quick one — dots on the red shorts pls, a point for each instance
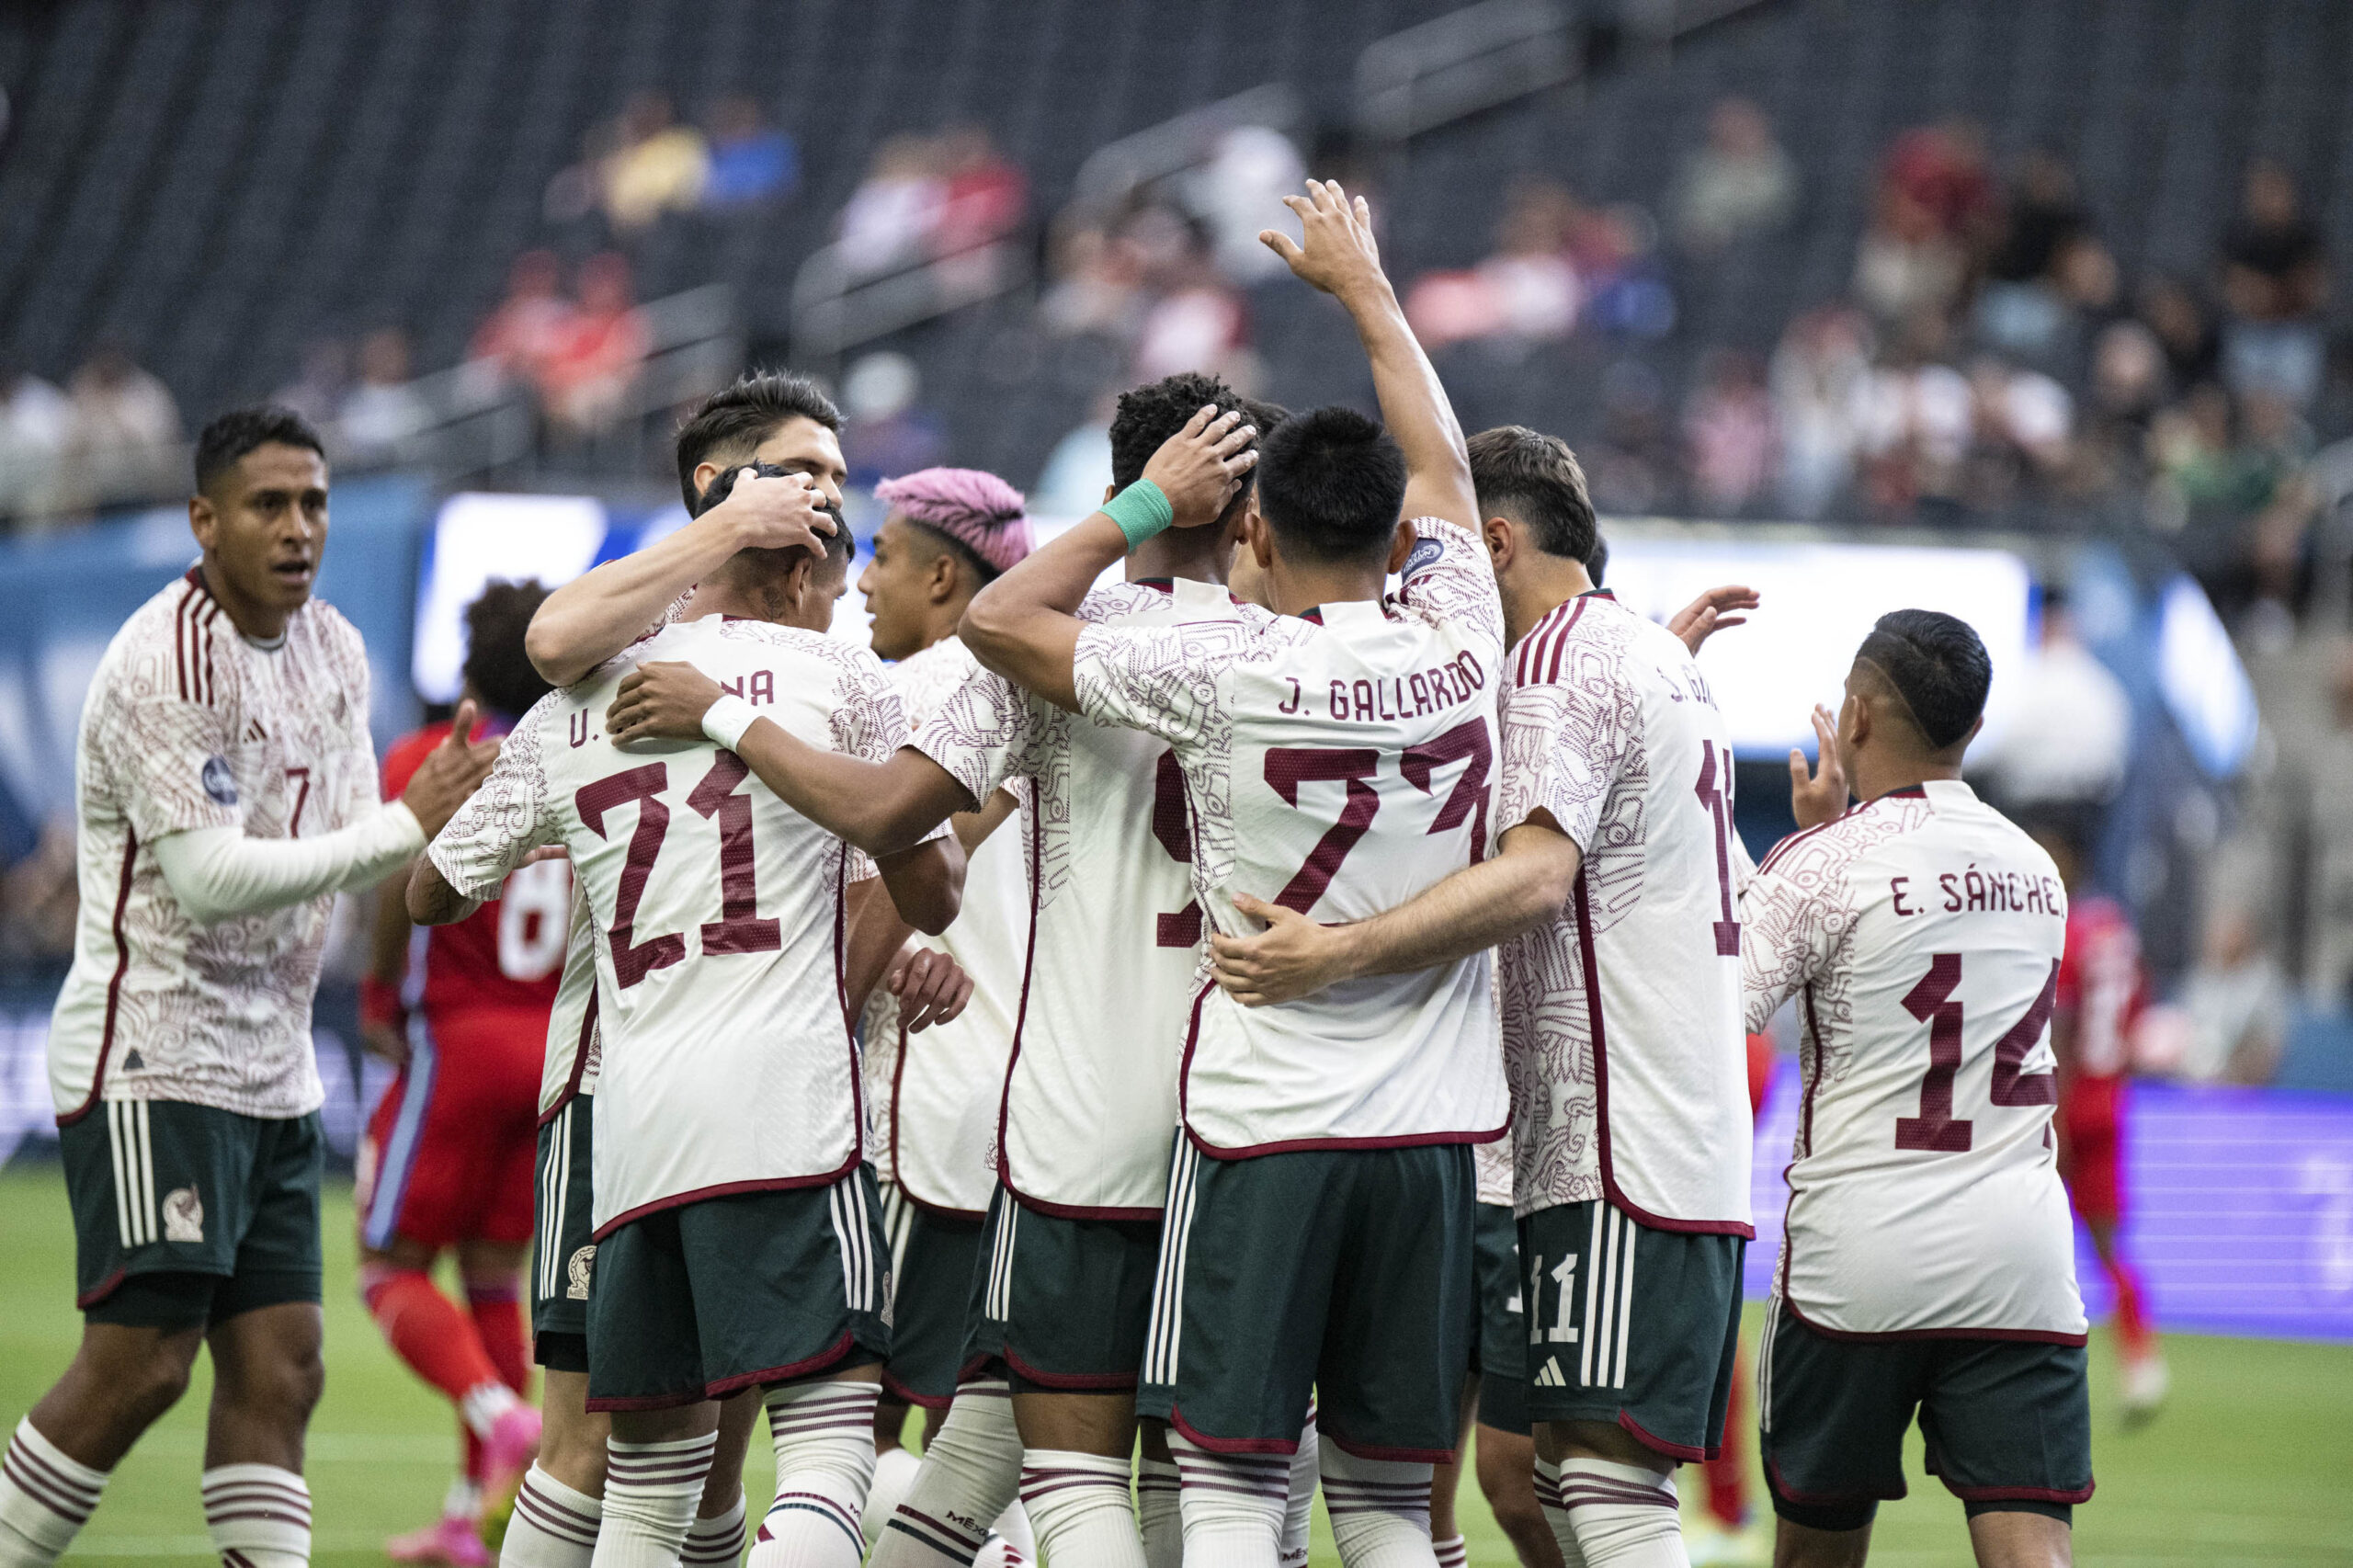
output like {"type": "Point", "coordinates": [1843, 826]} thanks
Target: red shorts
{"type": "Point", "coordinates": [451, 1148]}
{"type": "Point", "coordinates": [2091, 1147]}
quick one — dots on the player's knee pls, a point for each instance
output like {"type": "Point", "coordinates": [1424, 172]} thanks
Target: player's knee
{"type": "Point", "coordinates": [155, 1385]}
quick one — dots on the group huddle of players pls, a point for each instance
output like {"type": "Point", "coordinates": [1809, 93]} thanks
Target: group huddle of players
{"type": "Point", "coordinates": [1336, 993]}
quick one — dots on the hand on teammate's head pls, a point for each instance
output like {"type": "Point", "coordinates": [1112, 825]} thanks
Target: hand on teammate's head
{"type": "Point", "coordinates": [1201, 466]}
{"type": "Point", "coordinates": [450, 773]}
{"type": "Point", "coordinates": [777, 508]}
{"type": "Point", "coordinates": [1335, 251]}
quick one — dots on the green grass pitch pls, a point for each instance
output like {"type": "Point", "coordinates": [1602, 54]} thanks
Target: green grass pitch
{"type": "Point", "coordinates": [2252, 1463]}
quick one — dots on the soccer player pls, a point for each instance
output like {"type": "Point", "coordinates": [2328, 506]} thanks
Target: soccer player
{"type": "Point", "coordinates": [1613, 886]}
{"type": "Point", "coordinates": [2101, 993]}
{"type": "Point", "coordinates": [1091, 1095]}
{"type": "Point", "coordinates": [447, 1161]}
{"type": "Point", "coordinates": [949, 532]}
{"type": "Point", "coordinates": [738, 1242]}
{"type": "Point", "coordinates": [225, 789]}
{"type": "Point", "coordinates": [1334, 759]}
{"type": "Point", "coordinates": [1929, 1262]}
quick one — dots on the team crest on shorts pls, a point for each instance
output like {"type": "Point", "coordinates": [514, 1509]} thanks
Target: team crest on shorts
{"type": "Point", "coordinates": [577, 1273]}
{"type": "Point", "coordinates": [183, 1215]}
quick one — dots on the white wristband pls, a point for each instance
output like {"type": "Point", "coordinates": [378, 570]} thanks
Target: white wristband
{"type": "Point", "coordinates": [727, 719]}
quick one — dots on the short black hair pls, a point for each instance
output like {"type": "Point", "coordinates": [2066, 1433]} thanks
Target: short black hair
{"type": "Point", "coordinates": [1597, 566]}
{"type": "Point", "coordinates": [956, 549]}
{"type": "Point", "coordinates": [1332, 484]}
{"type": "Point", "coordinates": [729, 424]}
{"type": "Point", "coordinates": [1938, 664]}
{"type": "Point", "coordinates": [1151, 413]}
{"type": "Point", "coordinates": [497, 667]}
{"type": "Point", "coordinates": [242, 430]}
{"type": "Point", "coordinates": [839, 544]}
{"type": "Point", "coordinates": [1536, 481]}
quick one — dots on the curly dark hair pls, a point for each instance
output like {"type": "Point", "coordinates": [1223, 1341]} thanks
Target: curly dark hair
{"type": "Point", "coordinates": [496, 666]}
{"type": "Point", "coordinates": [1151, 412]}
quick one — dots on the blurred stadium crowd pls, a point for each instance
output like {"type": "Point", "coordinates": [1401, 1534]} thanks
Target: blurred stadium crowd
{"type": "Point", "coordinates": [2069, 273]}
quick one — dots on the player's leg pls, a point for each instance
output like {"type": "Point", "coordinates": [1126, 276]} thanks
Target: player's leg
{"type": "Point", "coordinates": [716, 1538]}
{"type": "Point", "coordinates": [2008, 1426]}
{"type": "Point", "coordinates": [1507, 1463]}
{"type": "Point", "coordinates": [895, 1464]}
{"type": "Point", "coordinates": [1240, 1299]}
{"type": "Point", "coordinates": [658, 1464]}
{"type": "Point", "coordinates": [1397, 1342]}
{"type": "Point", "coordinates": [2093, 1169]}
{"type": "Point", "coordinates": [1506, 1446]}
{"type": "Point", "coordinates": [1446, 1479]}
{"type": "Point", "coordinates": [1831, 1417]}
{"type": "Point", "coordinates": [559, 1502]}
{"type": "Point", "coordinates": [646, 1373]}
{"type": "Point", "coordinates": [266, 1338]}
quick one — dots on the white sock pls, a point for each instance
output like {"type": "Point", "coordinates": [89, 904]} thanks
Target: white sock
{"type": "Point", "coordinates": [1625, 1514]}
{"type": "Point", "coordinates": [825, 1462]}
{"type": "Point", "coordinates": [258, 1515]}
{"type": "Point", "coordinates": [1556, 1514]}
{"type": "Point", "coordinates": [650, 1490]}
{"type": "Point", "coordinates": [972, 1469]}
{"type": "Point", "coordinates": [1158, 1515]}
{"type": "Point", "coordinates": [1234, 1506]}
{"type": "Point", "coordinates": [716, 1542]}
{"type": "Point", "coordinates": [1012, 1541]}
{"type": "Point", "coordinates": [1452, 1553]}
{"type": "Point", "coordinates": [895, 1472]}
{"type": "Point", "coordinates": [553, 1525]}
{"type": "Point", "coordinates": [1380, 1508]}
{"type": "Point", "coordinates": [462, 1501]}
{"type": "Point", "coordinates": [1079, 1504]}
{"type": "Point", "coordinates": [1299, 1513]}
{"type": "Point", "coordinates": [45, 1498]}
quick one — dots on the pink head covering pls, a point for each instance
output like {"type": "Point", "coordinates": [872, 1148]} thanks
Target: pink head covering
{"type": "Point", "coordinates": [977, 510]}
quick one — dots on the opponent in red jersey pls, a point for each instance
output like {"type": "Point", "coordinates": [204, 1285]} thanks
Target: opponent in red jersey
{"type": "Point", "coordinates": [448, 1161]}
{"type": "Point", "coordinates": [2101, 991]}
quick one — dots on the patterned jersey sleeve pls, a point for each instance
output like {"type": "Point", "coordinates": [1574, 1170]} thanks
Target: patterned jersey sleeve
{"type": "Point", "coordinates": [988, 733]}
{"type": "Point", "coordinates": [1565, 741]}
{"type": "Point", "coordinates": [169, 757]}
{"type": "Point", "coordinates": [359, 772]}
{"type": "Point", "coordinates": [1163, 680]}
{"type": "Point", "coordinates": [508, 817]}
{"type": "Point", "coordinates": [1450, 581]}
{"type": "Point", "coordinates": [869, 722]}
{"type": "Point", "coordinates": [1792, 917]}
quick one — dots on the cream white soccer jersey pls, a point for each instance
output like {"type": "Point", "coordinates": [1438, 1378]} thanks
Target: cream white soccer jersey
{"type": "Point", "coordinates": [569, 1068]}
{"type": "Point", "coordinates": [940, 1091]}
{"type": "Point", "coordinates": [1621, 1014]}
{"type": "Point", "coordinates": [1921, 934]}
{"type": "Point", "coordinates": [727, 1061]}
{"type": "Point", "coordinates": [1112, 942]}
{"type": "Point", "coordinates": [1335, 764]}
{"type": "Point", "coordinates": [188, 726]}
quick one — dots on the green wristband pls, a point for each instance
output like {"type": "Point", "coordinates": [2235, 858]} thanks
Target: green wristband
{"type": "Point", "coordinates": [1142, 511]}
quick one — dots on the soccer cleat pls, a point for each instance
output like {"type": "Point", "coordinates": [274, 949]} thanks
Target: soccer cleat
{"type": "Point", "coordinates": [452, 1543]}
{"type": "Point", "coordinates": [506, 1452]}
{"type": "Point", "coordinates": [2146, 1381]}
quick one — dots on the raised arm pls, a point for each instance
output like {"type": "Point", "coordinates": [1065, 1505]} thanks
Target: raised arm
{"type": "Point", "coordinates": [597, 615]}
{"type": "Point", "coordinates": [1339, 255]}
{"type": "Point", "coordinates": [1025, 624]}
{"type": "Point", "coordinates": [1525, 883]}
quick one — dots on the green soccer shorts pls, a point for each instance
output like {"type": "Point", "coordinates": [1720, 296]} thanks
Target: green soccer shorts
{"type": "Point", "coordinates": [932, 1256]}
{"type": "Point", "coordinates": [1502, 1346]}
{"type": "Point", "coordinates": [1063, 1304]}
{"type": "Point", "coordinates": [563, 1261]}
{"type": "Point", "coordinates": [186, 1215]}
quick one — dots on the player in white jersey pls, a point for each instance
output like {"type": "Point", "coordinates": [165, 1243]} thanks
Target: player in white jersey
{"type": "Point", "coordinates": [1613, 889]}
{"type": "Point", "coordinates": [1336, 759]}
{"type": "Point", "coordinates": [738, 1244]}
{"type": "Point", "coordinates": [1110, 956]}
{"type": "Point", "coordinates": [1928, 1258]}
{"type": "Point", "coordinates": [224, 791]}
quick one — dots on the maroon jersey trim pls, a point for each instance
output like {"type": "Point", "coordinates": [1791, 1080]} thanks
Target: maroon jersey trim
{"type": "Point", "coordinates": [114, 984]}
{"type": "Point", "coordinates": [579, 1062]}
{"type": "Point", "coordinates": [729, 1190]}
{"type": "Point", "coordinates": [1616, 1194]}
{"type": "Point", "coordinates": [1683, 1452]}
{"type": "Point", "coordinates": [1890, 1336]}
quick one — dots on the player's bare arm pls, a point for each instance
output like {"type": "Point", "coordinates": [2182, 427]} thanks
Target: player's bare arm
{"type": "Point", "coordinates": [431, 900]}
{"type": "Point", "coordinates": [1025, 625]}
{"type": "Point", "coordinates": [926, 882]}
{"type": "Point", "coordinates": [388, 939]}
{"type": "Point", "coordinates": [598, 614]}
{"type": "Point", "coordinates": [1338, 254]}
{"type": "Point", "coordinates": [880, 807]}
{"type": "Point", "coordinates": [1525, 883]}
{"type": "Point", "coordinates": [932, 987]}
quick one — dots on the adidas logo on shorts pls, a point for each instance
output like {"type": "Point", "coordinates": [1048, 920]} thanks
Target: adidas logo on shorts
{"type": "Point", "coordinates": [1549, 1376]}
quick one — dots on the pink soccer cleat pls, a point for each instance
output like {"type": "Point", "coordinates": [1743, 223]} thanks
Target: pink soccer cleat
{"type": "Point", "coordinates": [513, 1443]}
{"type": "Point", "coordinates": [451, 1543]}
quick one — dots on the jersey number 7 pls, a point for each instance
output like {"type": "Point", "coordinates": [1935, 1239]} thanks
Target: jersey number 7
{"type": "Point", "coordinates": [1290, 767]}
{"type": "Point", "coordinates": [739, 929]}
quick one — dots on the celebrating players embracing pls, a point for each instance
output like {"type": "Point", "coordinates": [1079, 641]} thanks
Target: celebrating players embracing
{"type": "Point", "coordinates": [225, 787]}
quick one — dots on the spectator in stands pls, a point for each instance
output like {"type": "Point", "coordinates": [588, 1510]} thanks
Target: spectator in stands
{"type": "Point", "coordinates": [1820, 380]}
{"type": "Point", "coordinates": [2171, 311]}
{"type": "Point", "coordinates": [1098, 287]}
{"type": "Point", "coordinates": [891, 217]}
{"type": "Point", "coordinates": [317, 393]}
{"type": "Point", "coordinates": [2063, 751]}
{"type": "Point", "coordinates": [659, 166]}
{"type": "Point", "coordinates": [1918, 414]}
{"type": "Point", "coordinates": [2042, 212]}
{"type": "Point", "coordinates": [1078, 471]}
{"type": "Point", "coordinates": [524, 333]}
{"type": "Point", "coordinates": [126, 424]}
{"type": "Point", "coordinates": [383, 413]}
{"type": "Point", "coordinates": [2275, 278]}
{"type": "Point", "coordinates": [1626, 470]}
{"type": "Point", "coordinates": [985, 196]}
{"type": "Point", "coordinates": [1199, 323]}
{"type": "Point", "coordinates": [1728, 436]}
{"type": "Point", "coordinates": [2128, 385]}
{"type": "Point", "coordinates": [587, 374]}
{"type": "Point", "coordinates": [751, 160]}
{"type": "Point", "coordinates": [1527, 291]}
{"type": "Point", "coordinates": [1942, 168]}
{"type": "Point", "coordinates": [1253, 169]}
{"type": "Point", "coordinates": [1738, 184]}
{"type": "Point", "coordinates": [886, 432]}
{"type": "Point", "coordinates": [36, 423]}
{"type": "Point", "coordinates": [2019, 439]}
{"type": "Point", "coordinates": [1614, 253]}
{"type": "Point", "coordinates": [1909, 263]}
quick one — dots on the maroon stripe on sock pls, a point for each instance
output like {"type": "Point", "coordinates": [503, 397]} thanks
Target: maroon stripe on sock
{"type": "Point", "coordinates": [1587, 1494]}
{"type": "Point", "coordinates": [1042, 1483]}
{"type": "Point", "coordinates": [950, 1531]}
{"type": "Point", "coordinates": [554, 1520]}
{"type": "Point", "coordinates": [257, 1491]}
{"type": "Point", "coordinates": [43, 1493]}
{"type": "Point", "coordinates": [23, 1454]}
{"type": "Point", "coordinates": [538, 1496]}
{"type": "Point", "coordinates": [1236, 1489]}
{"type": "Point", "coordinates": [284, 1519]}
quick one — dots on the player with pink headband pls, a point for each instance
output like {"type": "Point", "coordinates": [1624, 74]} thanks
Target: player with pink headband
{"type": "Point", "coordinates": [948, 532]}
